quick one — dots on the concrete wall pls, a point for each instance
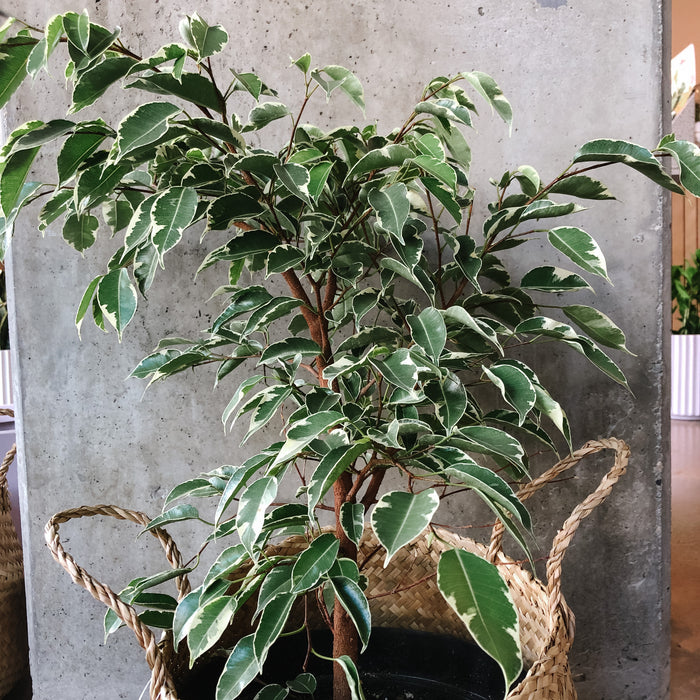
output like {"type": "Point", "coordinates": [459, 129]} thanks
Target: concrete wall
{"type": "Point", "coordinates": [573, 70]}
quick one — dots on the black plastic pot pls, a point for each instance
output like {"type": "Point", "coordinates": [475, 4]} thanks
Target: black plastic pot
{"type": "Point", "coordinates": [398, 665]}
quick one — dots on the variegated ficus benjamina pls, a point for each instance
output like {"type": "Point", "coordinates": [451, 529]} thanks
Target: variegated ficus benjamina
{"type": "Point", "coordinates": [400, 323]}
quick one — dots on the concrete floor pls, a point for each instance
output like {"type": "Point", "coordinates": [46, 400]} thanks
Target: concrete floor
{"type": "Point", "coordinates": [685, 560]}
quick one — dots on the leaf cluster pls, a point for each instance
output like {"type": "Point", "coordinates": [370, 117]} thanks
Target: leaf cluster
{"type": "Point", "coordinates": [397, 347]}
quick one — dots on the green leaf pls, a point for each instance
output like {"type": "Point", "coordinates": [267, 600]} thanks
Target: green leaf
{"type": "Point", "coordinates": [251, 510]}
{"type": "Point", "coordinates": [599, 326]}
{"type": "Point", "coordinates": [227, 562]}
{"type": "Point", "coordinates": [14, 54]}
{"type": "Point", "coordinates": [272, 621]}
{"type": "Point", "coordinates": [636, 157]}
{"type": "Point", "coordinates": [379, 159]}
{"type": "Point", "coordinates": [76, 149]}
{"type": "Point", "coordinates": [13, 176]}
{"type": "Point", "coordinates": [93, 83]}
{"type": "Point", "coordinates": [146, 124]}
{"type": "Point", "coordinates": [596, 356]}
{"type": "Point", "coordinates": [192, 87]}
{"type": "Point", "coordinates": [476, 591]}
{"type": "Point", "coordinates": [233, 207]}
{"type": "Point", "coordinates": [296, 179]}
{"type": "Point", "coordinates": [314, 562]}
{"type": "Point", "coordinates": [79, 230]}
{"type": "Point", "coordinates": [251, 83]}
{"type": "Point", "coordinates": [241, 668]}
{"type": "Point", "coordinates": [445, 109]}
{"type": "Point", "coordinates": [204, 39]}
{"type": "Point", "coordinates": [304, 431]}
{"type": "Point", "coordinates": [456, 144]}
{"type": "Point", "coordinates": [261, 318]}
{"type": "Point", "coordinates": [57, 205]}
{"type": "Point", "coordinates": [553, 279]}
{"type": "Point", "coordinates": [117, 300]}
{"type": "Point", "coordinates": [352, 520]}
{"type": "Point", "coordinates": [687, 155]}
{"type": "Point", "coordinates": [581, 186]}
{"type": "Point", "coordinates": [265, 113]}
{"type": "Point", "coordinates": [497, 442]}
{"type": "Point", "coordinates": [145, 266]}
{"type": "Point", "coordinates": [580, 248]}
{"type": "Point", "coordinates": [272, 692]}
{"type": "Point", "coordinates": [392, 208]}
{"type": "Point", "coordinates": [491, 487]}
{"type": "Point", "coordinates": [303, 63]}
{"type": "Point", "coordinates": [450, 399]}
{"type": "Point", "coordinates": [529, 180]}
{"type": "Point", "coordinates": [277, 582]}
{"type": "Point", "coordinates": [197, 487]}
{"type": "Point", "coordinates": [283, 258]}
{"type": "Point", "coordinates": [341, 78]}
{"type": "Point", "coordinates": [77, 29]}
{"type": "Point", "coordinates": [40, 134]}
{"type": "Point", "coordinates": [486, 86]}
{"type": "Point", "coordinates": [304, 683]}
{"type": "Point", "coordinates": [428, 330]}
{"type": "Point", "coordinates": [236, 481]}
{"type": "Point", "coordinates": [246, 386]}
{"type": "Point", "coordinates": [461, 316]}
{"type": "Point", "coordinates": [329, 469]}
{"type": "Point", "coordinates": [318, 176]}
{"type": "Point", "coordinates": [438, 169]}
{"type": "Point", "coordinates": [444, 196]}
{"type": "Point", "coordinates": [97, 183]}
{"type": "Point", "coordinates": [352, 677]}
{"type": "Point", "coordinates": [288, 349]}
{"type": "Point", "coordinates": [170, 52]}
{"type": "Point", "coordinates": [515, 387]}
{"type": "Point", "coordinates": [85, 303]}
{"type": "Point", "coordinates": [184, 616]}
{"type": "Point", "coordinates": [399, 369]}
{"type": "Point", "coordinates": [355, 604]}
{"type": "Point", "coordinates": [175, 514]}
{"type": "Point", "coordinates": [242, 301]}
{"type": "Point", "coordinates": [264, 406]}
{"type": "Point", "coordinates": [171, 214]}
{"type": "Point", "coordinates": [399, 517]}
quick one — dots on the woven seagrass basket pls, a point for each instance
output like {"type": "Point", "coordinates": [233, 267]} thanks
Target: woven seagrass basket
{"type": "Point", "coordinates": [13, 624]}
{"type": "Point", "coordinates": [546, 623]}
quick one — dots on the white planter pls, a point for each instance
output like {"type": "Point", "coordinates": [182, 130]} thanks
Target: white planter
{"type": "Point", "coordinates": [685, 377]}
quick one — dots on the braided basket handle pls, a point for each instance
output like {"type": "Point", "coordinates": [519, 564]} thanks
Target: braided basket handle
{"type": "Point", "coordinates": [581, 511]}
{"type": "Point", "coordinates": [162, 687]}
{"type": "Point", "coordinates": [4, 467]}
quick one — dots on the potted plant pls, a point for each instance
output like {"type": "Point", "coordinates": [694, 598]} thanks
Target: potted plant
{"type": "Point", "coordinates": [396, 347]}
{"type": "Point", "coordinates": [685, 350]}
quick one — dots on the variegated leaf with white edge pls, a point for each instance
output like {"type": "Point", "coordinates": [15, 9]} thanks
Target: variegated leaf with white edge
{"type": "Point", "coordinates": [429, 332]}
{"type": "Point", "coordinates": [399, 517]}
{"type": "Point", "coordinates": [515, 387]}
{"type": "Point", "coordinates": [171, 214]}
{"type": "Point", "coordinates": [116, 297]}
{"type": "Point", "coordinates": [251, 510]}
{"type": "Point", "coordinates": [580, 248]}
{"type": "Point", "coordinates": [392, 208]}
{"type": "Point", "coordinates": [306, 430]}
{"type": "Point", "coordinates": [146, 124]}
{"type": "Point", "coordinates": [475, 589]}
{"type": "Point", "coordinates": [240, 670]}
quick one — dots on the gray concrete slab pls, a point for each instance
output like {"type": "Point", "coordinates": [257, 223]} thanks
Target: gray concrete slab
{"type": "Point", "coordinates": [573, 70]}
